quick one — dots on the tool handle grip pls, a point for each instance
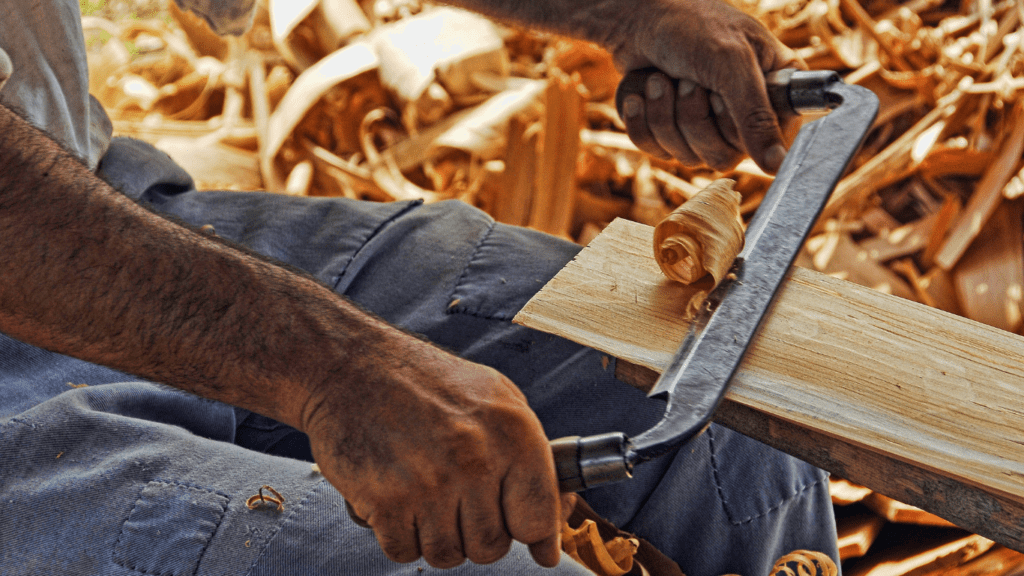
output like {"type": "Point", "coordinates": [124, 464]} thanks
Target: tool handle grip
{"type": "Point", "coordinates": [790, 91]}
{"type": "Point", "coordinates": [583, 463]}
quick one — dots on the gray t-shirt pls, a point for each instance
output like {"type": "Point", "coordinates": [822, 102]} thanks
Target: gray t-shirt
{"type": "Point", "coordinates": [48, 78]}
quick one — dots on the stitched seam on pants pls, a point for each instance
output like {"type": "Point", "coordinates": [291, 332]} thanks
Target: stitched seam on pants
{"type": "Point", "coordinates": [341, 274]}
{"type": "Point", "coordinates": [721, 493]}
{"type": "Point", "coordinates": [465, 274]}
{"type": "Point", "coordinates": [272, 537]}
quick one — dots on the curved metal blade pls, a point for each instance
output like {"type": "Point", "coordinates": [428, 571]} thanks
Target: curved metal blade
{"type": "Point", "coordinates": [698, 377]}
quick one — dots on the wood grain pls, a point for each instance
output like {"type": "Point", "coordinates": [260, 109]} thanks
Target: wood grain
{"type": "Point", "coordinates": [913, 402]}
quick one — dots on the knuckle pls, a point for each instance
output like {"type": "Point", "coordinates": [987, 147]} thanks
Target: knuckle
{"type": "Point", "coordinates": [530, 519]}
{"type": "Point", "coordinates": [490, 546]}
{"type": "Point", "coordinates": [396, 550]}
{"type": "Point", "coordinates": [534, 530]}
{"type": "Point", "coordinates": [443, 553]}
{"type": "Point", "coordinates": [761, 121]}
{"type": "Point", "coordinates": [660, 153]}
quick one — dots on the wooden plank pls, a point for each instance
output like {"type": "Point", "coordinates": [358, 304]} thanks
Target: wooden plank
{"type": "Point", "coordinates": [512, 202]}
{"type": "Point", "coordinates": [901, 513]}
{"type": "Point", "coordinates": [988, 194]}
{"type": "Point", "coordinates": [844, 492]}
{"type": "Point", "coordinates": [912, 402]}
{"type": "Point", "coordinates": [989, 279]}
{"type": "Point", "coordinates": [857, 533]}
{"type": "Point", "coordinates": [902, 241]}
{"type": "Point", "coordinates": [836, 254]}
{"type": "Point", "coordinates": [998, 561]}
{"type": "Point", "coordinates": [555, 189]}
{"type": "Point", "coordinates": [889, 165]}
{"type": "Point", "coordinates": [896, 562]}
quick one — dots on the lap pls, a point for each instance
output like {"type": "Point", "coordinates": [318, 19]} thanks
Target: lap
{"type": "Point", "coordinates": [449, 272]}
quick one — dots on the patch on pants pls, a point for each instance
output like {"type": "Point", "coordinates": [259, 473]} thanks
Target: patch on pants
{"type": "Point", "coordinates": [169, 528]}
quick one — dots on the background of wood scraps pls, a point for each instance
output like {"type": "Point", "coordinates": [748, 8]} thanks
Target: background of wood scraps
{"type": "Point", "coordinates": [398, 99]}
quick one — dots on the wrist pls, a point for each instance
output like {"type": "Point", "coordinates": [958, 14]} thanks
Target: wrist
{"type": "Point", "coordinates": [608, 23]}
{"type": "Point", "coordinates": [351, 364]}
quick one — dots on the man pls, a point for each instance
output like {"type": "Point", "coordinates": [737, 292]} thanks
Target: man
{"type": "Point", "coordinates": [442, 455]}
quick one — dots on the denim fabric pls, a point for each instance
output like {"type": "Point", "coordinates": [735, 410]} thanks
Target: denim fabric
{"type": "Point", "coordinates": [125, 477]}
{"type": "Point", "coordinates": [122, 477]}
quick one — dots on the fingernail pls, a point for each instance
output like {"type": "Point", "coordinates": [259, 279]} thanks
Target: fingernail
{"type": "Point", "coordinates": [685, 88]}
{"type": "Point", "coordinates": [774, 157]}
{"type": "Point", "coordinates": [717, 104]}
{"type": "Point", "coordinates": [655, 87]}
{"type": "Point", "coordinates": [631, 107]}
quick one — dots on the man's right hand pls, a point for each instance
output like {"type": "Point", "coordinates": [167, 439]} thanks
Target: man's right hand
{"type": "Point", "coordinates": [442, 457]}
{"type": "Point", "coordinates": [719, 110]}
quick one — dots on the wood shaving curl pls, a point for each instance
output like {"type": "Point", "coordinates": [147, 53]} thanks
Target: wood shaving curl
{"type": "Point", "coordinates": [697, 243]}
{"type": "Point", "coordinates": [258, 499]}
{"type": "Point", "coordinates": [701, 237]}
{"type": "Point", "coordinates": [805, 563]}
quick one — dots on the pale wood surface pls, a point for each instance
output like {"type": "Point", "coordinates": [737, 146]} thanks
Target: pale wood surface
{"type": "Point", "coordinates": [844, 492]}
{"type": "Point", "coordinates": [988, 194]}
{"type": "Point", "coordinates": [998, 561]}
{"type": "Point", "coordinates": [856, 534]}
{"type": "Point", "coordinates": [913, 402]}
{"type": "Point", "coordinates": [945, 556]}
{"type": "Point", "coordinates": [901, 513]}
{"type": "Point", "coordinates": [555, 187]}
{"type": "Point", "coordinates": [990, 277]}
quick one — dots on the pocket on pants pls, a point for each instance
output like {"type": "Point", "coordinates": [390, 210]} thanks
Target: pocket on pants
{"type": "Point", "coordinates": [740, 463]}
{"type": "Point", "coordinates": [169, 528]}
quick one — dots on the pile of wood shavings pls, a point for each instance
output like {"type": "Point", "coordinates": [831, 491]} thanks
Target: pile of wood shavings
{"type": "Point", "coordinates": [329, 98]}
{"type": "Point", "coordinates": [347, 98]}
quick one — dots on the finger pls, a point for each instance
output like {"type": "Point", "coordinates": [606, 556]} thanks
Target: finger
{"type": "Point", "coordinates": [747, 102]}
{"type": "Point", "coordinates": [660, 109]}
{"type": "Point", "coordinates": [637, 127]}
{"type": "Point", "coordinates": [484, 536]}
{"type": "Point", "coordinates": [568, 505]}
{"type": "Point", "coordinates": [440, 540]}
{"type": "Point", "coordinates": [548, 552]}
{"type": "Point", "coordinates": [531, 502]}
{"type": "Point", "coordinates": [396, 536]}
{"type": "Point", "coordinates": [697, 123]}
{"type": "Point", "coordinates": [725, 123]}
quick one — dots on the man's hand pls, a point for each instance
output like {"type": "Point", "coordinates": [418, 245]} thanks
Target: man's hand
{"type": "Point", "coordinates": [443, 458]}
{"type": "Point", "coordinates": [720, 109]}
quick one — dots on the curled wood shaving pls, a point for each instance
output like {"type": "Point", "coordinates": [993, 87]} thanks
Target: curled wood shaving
{"type": "Point", "coordinates": [701, 237]}
{"type": "Point", "coordinates": [805, 563]}
{"type": "Point", "coordinates": [585, 545]}
{"type": "Point", "coordinates": [259, 499]}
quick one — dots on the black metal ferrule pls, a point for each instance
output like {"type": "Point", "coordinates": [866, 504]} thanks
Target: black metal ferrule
{"type": "Point", "coordinates": [798, 91]}
{"type": "Point", "coordinates": [591, 461]}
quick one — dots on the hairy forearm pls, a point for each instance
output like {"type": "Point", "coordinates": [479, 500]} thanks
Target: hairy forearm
{"type": "Point", "coordinates": [88, 273]}
{"type": "Point", "coordinates": [606, 22]}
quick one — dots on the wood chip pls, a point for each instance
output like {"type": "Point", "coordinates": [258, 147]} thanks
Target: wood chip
{"type": "Point", "coordinates": [701, 237]}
